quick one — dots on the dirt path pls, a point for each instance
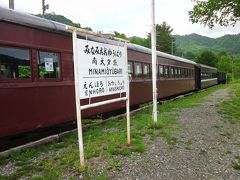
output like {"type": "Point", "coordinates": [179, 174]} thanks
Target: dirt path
{"type": "Point", "coordinates": [205, 149]}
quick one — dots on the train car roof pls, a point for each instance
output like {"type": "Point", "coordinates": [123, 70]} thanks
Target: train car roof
{"type": "Point", "coordinates": [25, 19]}
{"type": "Point", "coordinates": [160, 54]}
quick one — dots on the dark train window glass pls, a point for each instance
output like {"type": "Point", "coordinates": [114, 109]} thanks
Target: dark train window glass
{"type": "Point", "coordinates": [185, 72]}
{"type": "Point", "coordinates": [130, 68]}
{"type": "Point", "coordinates": [176, 72]}
{"type": "Point", "coordinates": [48, 65]}
{"type": "Point", "coordinates": [166, 70]}
{"type": "Point", "coordinates": [203, 75]}
{"type": "Point", "coordinates": [214, 75]}
{"type": "Point", "coordinates": [146, 72]}
{"type": "Point", "coordinates": [14, 63]}
{"type": "Point", "coordinates": [191, 73]}
{"type": "Point", "coordinates": [138, 70]}
{"type": "Point", "coordinates": [179, 72]}
{"type": "Point", "coordinates": [161, 72]}
{"type": "Point", "coordinates": [182, 72]}
{"type": "Point", "coordinates": [171, 72]}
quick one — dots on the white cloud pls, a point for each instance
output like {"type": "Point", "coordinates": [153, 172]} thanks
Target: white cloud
{"type": "Point", "coordinates": [132, 17]}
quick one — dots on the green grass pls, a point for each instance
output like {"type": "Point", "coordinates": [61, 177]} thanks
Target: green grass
{"type": "Point", "coordinates": [231, 109]}
{"type": "Point", "coordinates": [24, 155]}
{"type": "Point", "coordinates": [105, 141]}
{"type": "Point", "coordinates": [231, 112]}
{"type": "Point", "coordinates": [236, 163]}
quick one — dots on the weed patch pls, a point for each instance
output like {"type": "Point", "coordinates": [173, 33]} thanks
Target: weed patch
{"type": "Point", "coordinates": [236, 163]}
{"type": "Point", "coordinates": [231, 109]}
{"type": "Point", "coordinates": [24, 155]}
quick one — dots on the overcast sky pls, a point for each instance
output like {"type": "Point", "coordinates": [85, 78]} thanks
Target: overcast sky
{"type": "Point", "coordinates": [131, 17]}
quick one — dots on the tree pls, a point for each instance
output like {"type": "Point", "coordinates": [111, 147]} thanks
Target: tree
{"type": "Point", "coordinates": [140, 41]}
{"type": "Point", "coordinates": [208, 58]}
{"type": "Point", "coordinates": [165, 41]}
{"type": "Point", "coordinates": [59, 18]}
{"type": "Point", "coordinates": [62, 19]}
{"type": "Point", "coordinates": [223, 12]}
{"type": "Point", "coordinates": [189, 55]}
{"type": "Point", "coordinates": [225, 63]}
{"type": "Point", "coordinates": [120, 35]}
{"type": "Point", "coordinates": [87, 28]}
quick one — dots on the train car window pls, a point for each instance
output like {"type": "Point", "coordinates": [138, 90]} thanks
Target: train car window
{"type": "Point", "coordinates": [138, 70]}
{"type": "Point", "coordinates": [185, 72]}
{"type": "Point", "coordinates": [166, 70]}
{"type": "Point", "coordinates": [146, 72]}
{"type": "Point", "coordinates": [130, 68]}
{"type": "Point", "coordinates": [182, 72]}
{"type": "Point", "coordinates": [214, 75]}
{"type": "Point", "coordinates": [202, 75]}
{"type": "Point", "coordinates": [171, 72]}
{"type": "Point", "coordinates": [14, 63]}
{"type": "Point", "coordinates": [179, 72]}
{"type": "Point", "coordinates": [48, 65]}
{"type": "Point", "coordinates": [176, 72]}
{"type": "Point", "coordinates": [161, 72]}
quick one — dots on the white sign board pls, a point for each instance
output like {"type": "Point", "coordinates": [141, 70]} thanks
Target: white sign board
{"type": "Point", "coordinates": [103, 69]}
{"type": "Point", "coordinates": [48, 64]}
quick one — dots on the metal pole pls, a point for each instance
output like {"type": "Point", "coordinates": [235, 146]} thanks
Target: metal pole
{"type": "Point", "coordinates": [154, 57]}
{"type": "Point", "coordinates": [77, 97]}
{"type": "Point", "coordinates": [11, 4]}
{"type": "Point", "coordinates": [43, 7]}
{"type": "Point", "coordinates": [128, 101]}
{"type": "Point", "coordinates": [128, 113]}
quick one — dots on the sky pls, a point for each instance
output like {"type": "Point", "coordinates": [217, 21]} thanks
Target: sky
{"type": "Point", "coordinates": [131, 17]}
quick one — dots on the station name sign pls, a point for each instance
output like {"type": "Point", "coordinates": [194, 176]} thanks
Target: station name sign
{"type": "Point", "coordinates": [103, 69]}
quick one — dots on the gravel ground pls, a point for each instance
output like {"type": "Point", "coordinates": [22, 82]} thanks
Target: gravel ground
{"type": "Point", "coordinates": [205, 148]}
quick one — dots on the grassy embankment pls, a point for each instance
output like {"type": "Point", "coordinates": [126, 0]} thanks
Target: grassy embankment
{"type": "Point", "coordinates": [231, 112]}
{"type": "Point", "coordinates": [102, 141]}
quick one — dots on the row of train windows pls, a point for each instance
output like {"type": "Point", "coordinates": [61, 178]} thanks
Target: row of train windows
{"type": "Point", "coordinates": [15, 64]}
{"type": "Point", "coordinates": [207, 75]}
{"type": "Point", "coordinates": [142, 70]}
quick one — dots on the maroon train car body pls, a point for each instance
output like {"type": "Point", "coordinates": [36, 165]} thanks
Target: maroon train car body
{"type": "Point", "coordinates": [31, 98]}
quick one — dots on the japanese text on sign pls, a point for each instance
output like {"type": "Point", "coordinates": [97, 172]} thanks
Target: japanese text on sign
{"type": "Point", "coordinates": [102, 70]}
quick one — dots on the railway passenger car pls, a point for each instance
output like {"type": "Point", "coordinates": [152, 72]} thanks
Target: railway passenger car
{"type": "Point", "coordinates": [222, 78]}
{"type": "Point", "coordinates": [33, 98]}
{"type": "Point", "coordinates": [174, 75]}
{"type": "Point", "coordinates": [208, 76]}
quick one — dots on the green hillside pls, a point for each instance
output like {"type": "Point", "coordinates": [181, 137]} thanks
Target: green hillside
{"type": "Point", "coordinates": [195, 44]}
